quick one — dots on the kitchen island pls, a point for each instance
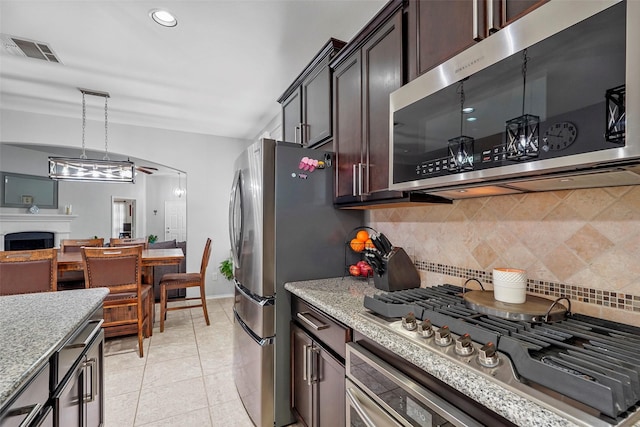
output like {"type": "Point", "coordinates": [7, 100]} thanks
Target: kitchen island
{"type": "Point", "coordinates": [33, 327]}
{"type": "Point", "coordinates": [342, 298]}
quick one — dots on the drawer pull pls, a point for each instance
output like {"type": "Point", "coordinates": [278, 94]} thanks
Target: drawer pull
{"type": "Point", "coordinates": [302, 316]}
{"type": "Point", "coordinates": [31, 410]}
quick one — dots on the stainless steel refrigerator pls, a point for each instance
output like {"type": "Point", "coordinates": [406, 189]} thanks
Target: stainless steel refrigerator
{"type": "Point", "coordinates": [283, 227]}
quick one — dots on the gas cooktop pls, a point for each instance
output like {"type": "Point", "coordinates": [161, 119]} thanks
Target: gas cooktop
{"type": "Point", "coordinates": [585, 368]}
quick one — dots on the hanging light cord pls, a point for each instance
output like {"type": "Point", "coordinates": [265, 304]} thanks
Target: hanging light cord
{"type": "Point", "coordinates": [461, 105]}
{"type": "Point", "coordinates": [84, 123]}
{"type": "Point", "coordinates": [524, 77]}
{"type": "Point", "coordinates": [106, 131]}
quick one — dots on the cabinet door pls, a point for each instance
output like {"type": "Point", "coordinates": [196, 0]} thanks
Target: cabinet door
{"type": "Point", "coordinates": [347, 130]}
{"type": "Point", "coordinates": [316, 104]}
{"type": "Point", "coordinates": [330, 391]}
{"type": "Point", "coordinates": [504, 12]}
{"type": "Point", "coordinates": [437, 30]}
{"type": "Point", "coordinates": [94, 385]}
{"type": "Point", "coordinates": [301, 382]}
{"type": "Point", "coordinates": [68, 408]}
{"type": "Point", "coordinates": [382, 74]}
{"type": "Point", "coordinates": [292, 117]}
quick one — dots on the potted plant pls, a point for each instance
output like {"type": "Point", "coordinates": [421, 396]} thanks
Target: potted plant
{"type": "Point", "coordinates": [226, 268]}
{"type": "Point", "coordinates": [152, 238]}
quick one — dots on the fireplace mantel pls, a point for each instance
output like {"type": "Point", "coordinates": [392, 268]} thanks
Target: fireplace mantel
{"type": "Point", "coordinates": [58, 224]}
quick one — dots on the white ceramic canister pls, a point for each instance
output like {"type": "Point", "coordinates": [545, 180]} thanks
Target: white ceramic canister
{"type": "Point", "coordinates": [510, 285]}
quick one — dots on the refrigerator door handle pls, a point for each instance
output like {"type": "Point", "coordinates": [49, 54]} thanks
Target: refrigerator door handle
{"type": "Point", "coordinates": [233, 227]}
{"type": "Point", "coordinates": [258, 301]}
{"type": "Point", "coordinates": [260, 341]}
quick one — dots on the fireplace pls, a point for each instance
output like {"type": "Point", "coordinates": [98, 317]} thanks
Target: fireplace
{"type": "Point", "coordinates": [56, 224]}
{"type": "Point", "coordinates": [27, 240]}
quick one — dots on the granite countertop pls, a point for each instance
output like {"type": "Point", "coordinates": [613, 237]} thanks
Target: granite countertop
{"type": "Point", "coordinates": [343, 298]}
{"type": "Point", "coordinates": [34, 326]}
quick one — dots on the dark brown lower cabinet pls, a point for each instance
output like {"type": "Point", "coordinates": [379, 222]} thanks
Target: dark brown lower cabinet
{"type": "Point", "coordinates": [317, 381]}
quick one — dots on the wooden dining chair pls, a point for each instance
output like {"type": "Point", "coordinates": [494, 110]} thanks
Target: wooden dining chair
{"type": "Point", "coordinates": [127, 241]}
{"type": "Point", "coordinates": [172, 281]}
{"type": "Point", "coordinates": [23, 272]}
{"type": "Point", "coordinates": [75, 279]}
{"type": "Point", "coordinates": [75, 245]}
{"type": "Point", "coordinates": [127, 308]}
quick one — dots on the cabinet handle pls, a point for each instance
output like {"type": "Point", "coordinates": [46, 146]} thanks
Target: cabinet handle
{"type": "Point", "coordinates": [304, 133]}
{"type": "Point", "coordinates": [93, 365]}
{"type": "Point", "coordinates": [360, 169]}
{"type": "Point", "coordinates": [492, 25]}
{"type": "Point", "coordinates": [355, 180]}
{"type": "Point", "coordinates": [302, 316]}
{"type": "Point", "coordinates": [306, 375]}
{"type": "Point", "coordinates": [297, 132]}
{"type": "Point", "coordinates": [476, 21]}
{"type": "Point", "coordinates": [96, 330]}
{"type": "Point", "coordinates": [32, 412]}
{"type": "Point", "coordinates": [355, 403]}
{"type": "Point", "coordinates": [314, 376]}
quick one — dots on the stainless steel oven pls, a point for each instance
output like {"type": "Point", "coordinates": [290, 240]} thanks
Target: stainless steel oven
{"type": "Point", "coordinates": [379, 394]}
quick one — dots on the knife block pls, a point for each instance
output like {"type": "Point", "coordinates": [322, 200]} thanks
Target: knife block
{"type": "Point", "coordinates": [400, 272]}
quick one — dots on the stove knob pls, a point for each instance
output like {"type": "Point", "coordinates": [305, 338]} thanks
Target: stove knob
{"type": "Point", "coordinates": [464, 347]}
{"type": "Point", "coordinates": [487, 356]}
{"type": "Point", "coordinates": [424, 329]}
{"type": "Point", "coordinates": [443, 336]}
{"type": "Point", "coordinates": [409, 322]}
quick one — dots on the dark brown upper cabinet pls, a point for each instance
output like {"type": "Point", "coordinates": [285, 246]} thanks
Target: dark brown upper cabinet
{"type": "Point", "coordinates": [363, 78]}
{"type": "Point", "coordinates": [438, 30]}
{"type": "Point", "coordinates": [306, 104]}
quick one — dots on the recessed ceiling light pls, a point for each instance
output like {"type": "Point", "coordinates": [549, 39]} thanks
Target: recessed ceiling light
{"type": "Point", "coordinates": [471, 119]}
{"type": "Point", "coordinates": [468, 110]}
{"type": "Point", "coordinates": [163, 17]}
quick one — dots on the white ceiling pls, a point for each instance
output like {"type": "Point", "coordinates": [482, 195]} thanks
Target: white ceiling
{"type": "Point", "coordinates": [218, 72]}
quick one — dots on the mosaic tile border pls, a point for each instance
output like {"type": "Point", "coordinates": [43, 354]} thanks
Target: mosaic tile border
{"type": "Point", "coordinates": [610, 299]}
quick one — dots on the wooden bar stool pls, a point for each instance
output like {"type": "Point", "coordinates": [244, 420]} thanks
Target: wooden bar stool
{"type": "Point", "coordinates": [182, 281]}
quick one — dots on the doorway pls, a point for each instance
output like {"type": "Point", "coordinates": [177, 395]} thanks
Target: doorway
{"type": "Point", "coordinates": [175, 220]}
{"type": "Point", "coordinates": [123, 217]}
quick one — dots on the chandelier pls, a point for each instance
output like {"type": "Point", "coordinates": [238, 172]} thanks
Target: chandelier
{"type": "Point", "coordinates": [85, 169]}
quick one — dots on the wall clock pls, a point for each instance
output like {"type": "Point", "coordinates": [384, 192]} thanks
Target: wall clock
{"type": "Point", "coordinates": [559, 136]}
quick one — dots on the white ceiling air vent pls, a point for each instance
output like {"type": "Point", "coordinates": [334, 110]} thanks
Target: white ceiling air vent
{"type": "Point", "coordinates": [19, 46]}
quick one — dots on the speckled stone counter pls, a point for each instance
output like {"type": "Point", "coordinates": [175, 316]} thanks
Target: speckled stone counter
{"type": "Point", "coordinates": [343, 299]}
{"type": "Point", "coordinates": [33, 326]}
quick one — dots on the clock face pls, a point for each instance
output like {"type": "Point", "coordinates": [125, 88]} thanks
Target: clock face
{"type": "Point", "coordinates": [559, 136]}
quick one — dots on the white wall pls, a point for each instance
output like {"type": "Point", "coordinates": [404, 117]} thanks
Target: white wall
{"type": "Point", "coordinates": [207, 160]}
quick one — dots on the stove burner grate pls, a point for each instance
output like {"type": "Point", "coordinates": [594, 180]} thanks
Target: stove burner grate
{"type": "Point", "coordinates": [593, 361]}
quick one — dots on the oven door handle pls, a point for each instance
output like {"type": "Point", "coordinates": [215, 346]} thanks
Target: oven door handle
{"type": "Point", "coordinates": [355, 403]}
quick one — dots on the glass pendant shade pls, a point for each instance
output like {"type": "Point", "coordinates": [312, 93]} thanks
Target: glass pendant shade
{"type": "Point", "coordinates": [461, 153]}
{"type": "Point", "coordinates": [78, 169]}
{"type": "Point", "coordinates": [522, 137]}
{"type": "Point", "coordinates": [616, 114]}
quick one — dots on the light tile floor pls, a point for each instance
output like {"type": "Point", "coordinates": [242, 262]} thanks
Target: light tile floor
{"type": "Point", "coordinates": [184, 378]}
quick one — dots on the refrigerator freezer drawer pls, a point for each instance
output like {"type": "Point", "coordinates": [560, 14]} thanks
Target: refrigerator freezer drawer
{"type": "Point", "coordinates": [253, 371]}
{"type": "Point", "coordinates": [258, 313]}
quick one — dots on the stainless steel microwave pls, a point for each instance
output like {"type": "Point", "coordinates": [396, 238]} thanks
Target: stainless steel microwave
{"type": "Point", "coordinates": [549, 102]}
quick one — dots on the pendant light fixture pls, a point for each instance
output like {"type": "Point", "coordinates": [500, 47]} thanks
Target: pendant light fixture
{"type": "Point", "coordinates": [179, 191]}
{"type": "Point", "coordinates": [522, 132]}
{"type": "Point", "coordinates": [84, 169]}
{"type": "Point", "coordinates": [461, 147]}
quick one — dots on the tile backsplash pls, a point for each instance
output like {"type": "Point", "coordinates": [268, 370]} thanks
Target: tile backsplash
{"type": "Point", "coordinates": [582, 244]}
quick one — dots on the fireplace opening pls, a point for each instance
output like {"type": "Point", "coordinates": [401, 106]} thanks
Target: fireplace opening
{"type": "Point", "coordinates": [28, 240]}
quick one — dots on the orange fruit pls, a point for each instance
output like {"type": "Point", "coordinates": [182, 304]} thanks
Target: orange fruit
{"type": "Point", "coordinates": [369, 244]}
{"type": "Point", "coordinates": [362, 235]}
{"type": "Point", "coordinates": [356, 245]}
